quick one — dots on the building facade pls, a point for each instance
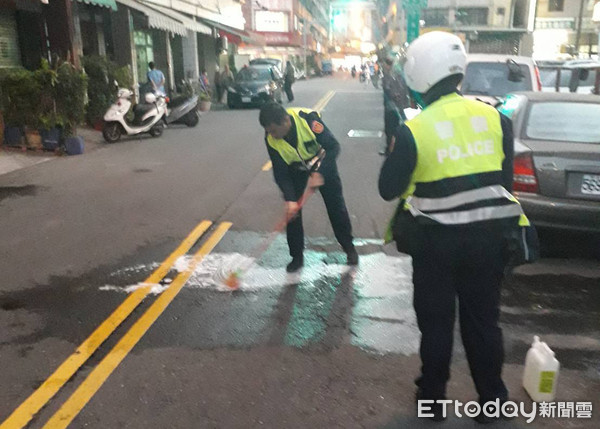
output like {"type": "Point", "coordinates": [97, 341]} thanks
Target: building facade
{"type": "Point", "coordinates": [292, 29]}
{"type": "Point", "coordinates": [558, 33]}
{"type": "Point", "coordinates": [486, 26]}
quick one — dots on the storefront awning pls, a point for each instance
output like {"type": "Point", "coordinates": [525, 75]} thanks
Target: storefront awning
{"type": "Point", "coordinates": [156, 19]}
{"type": "Point", "coordinates": [103, 3]}
{"type": "Point", "coordinates": [189, 23]}
{"type": "Point", "coordinates": [236, 36]}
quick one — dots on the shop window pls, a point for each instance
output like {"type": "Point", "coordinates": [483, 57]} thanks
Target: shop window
{"type": "Point", "coordinates": [435, 17]}
{"type": "Point", "coordinates": [556, 5]}
{"type": "Point", "coordinates": [472, 15]}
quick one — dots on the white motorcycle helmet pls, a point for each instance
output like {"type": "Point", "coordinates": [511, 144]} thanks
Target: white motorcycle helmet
{"type": "Point", "coordinates": [433, 57]}
{"type": "Point", "coordinates": [150, 98]}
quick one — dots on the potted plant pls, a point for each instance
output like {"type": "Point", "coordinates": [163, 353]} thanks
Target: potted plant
{"type": "Point", "coordinates": [70, 105]}
{"type": "Point", "coordinates": [204, 101]}
{"type": "Point", "coordinates": [21, 94]}
{"type": "Point", "coordinates": [51, 126]}
{"type": "Point", "coordinates": [50, 122]}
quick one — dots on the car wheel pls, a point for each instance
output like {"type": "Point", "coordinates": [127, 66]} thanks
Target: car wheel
{"type": "Point", "coordinates": [111, 132]}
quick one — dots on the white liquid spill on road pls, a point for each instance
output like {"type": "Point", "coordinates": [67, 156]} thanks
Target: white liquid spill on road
{"type": "Point", "coordinates": [382, 317]}
{"type": "Point", "coordinates": [155, 288]}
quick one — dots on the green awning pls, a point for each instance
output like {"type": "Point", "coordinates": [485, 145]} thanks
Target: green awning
{"type": "Point", "coordinates": [112, 4]}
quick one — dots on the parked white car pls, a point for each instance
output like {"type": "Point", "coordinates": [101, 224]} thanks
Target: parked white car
{"type": "Point", "coordinates": [575, 76]}
{"type": "Point", "coordinates": [490, 77]}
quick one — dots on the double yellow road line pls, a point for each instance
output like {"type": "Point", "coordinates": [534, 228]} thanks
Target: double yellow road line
{"type": "Point", "coordinates": [69, 410]}
{"type": "Point", "coordinates": [323, 101]}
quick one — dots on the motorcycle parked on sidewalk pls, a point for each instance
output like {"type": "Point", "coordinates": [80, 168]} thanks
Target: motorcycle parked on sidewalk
{"type": "Point", "coordinates": [148, 117]}
{"type": "Point", "coordinates": [183, 110]}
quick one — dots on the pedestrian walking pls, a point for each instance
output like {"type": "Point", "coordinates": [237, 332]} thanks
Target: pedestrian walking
{"type": "Point", "coordinates": [395, 100]}
{"type": "Point", "coordinates": [226, 81]}
{"type": "Point", "coordinates": [289, 79]}
{"type": "Point", "coordinates": [296, 138]}
{"type": "Point", "coordinates": [452, 169]}
{"type": "Point", "coordinates": [218, 84]}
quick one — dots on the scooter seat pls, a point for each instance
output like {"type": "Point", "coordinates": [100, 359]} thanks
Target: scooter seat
{"type": "Point", "coordinates": [143, 108]}
{"type": "Point", "coordinates": [176, 102]}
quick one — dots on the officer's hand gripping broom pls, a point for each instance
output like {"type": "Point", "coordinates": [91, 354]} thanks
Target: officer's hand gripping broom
{"type": "Point", "coordinates": [233, 279]}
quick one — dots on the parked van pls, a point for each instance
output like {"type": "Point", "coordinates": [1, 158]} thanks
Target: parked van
{"type": "Point", "coordinates": [490, 77]}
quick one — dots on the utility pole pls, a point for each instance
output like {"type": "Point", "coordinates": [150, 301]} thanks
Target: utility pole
{"type": "Point", "coordinates": [579, 21]}
{"type": "Point", "coordinates": [304, 31]}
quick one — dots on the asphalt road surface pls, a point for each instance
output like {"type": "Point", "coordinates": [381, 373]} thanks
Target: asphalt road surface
{"type": "Point", "coordinates": [113, 315]}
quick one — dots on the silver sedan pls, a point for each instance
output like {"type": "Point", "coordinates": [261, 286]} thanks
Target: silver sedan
{"type": "Point", "coordinates": [557, 158]}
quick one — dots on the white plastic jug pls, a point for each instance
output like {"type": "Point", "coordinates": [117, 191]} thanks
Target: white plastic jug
{"type": "Point", "coordinates": [541, 372]}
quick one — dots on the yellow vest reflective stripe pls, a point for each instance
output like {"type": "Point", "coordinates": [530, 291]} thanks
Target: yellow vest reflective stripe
{"type": "Point", "coordinates": [307, 146]}
{"type": "Point", "coordinates": [457, 137]}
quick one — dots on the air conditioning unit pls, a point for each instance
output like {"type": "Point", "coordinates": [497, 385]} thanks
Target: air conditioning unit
{"type": "Point", "coordinates": [222, 44]}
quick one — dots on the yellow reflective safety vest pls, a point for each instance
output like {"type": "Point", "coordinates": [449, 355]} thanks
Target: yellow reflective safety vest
{"type": "Point", "coordinates": [307, 147]}
{"type": "Point", "coordinates": [457, 137]}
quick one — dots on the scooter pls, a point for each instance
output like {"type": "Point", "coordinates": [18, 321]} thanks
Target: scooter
{"type": "Point", "coordinates": [149, 117]}
{"type": "Point", "coordinates": [183, 110]}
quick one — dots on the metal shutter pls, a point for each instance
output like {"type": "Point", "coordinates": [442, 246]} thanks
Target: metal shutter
{"type": "Point", "coordinates": [9, 45]}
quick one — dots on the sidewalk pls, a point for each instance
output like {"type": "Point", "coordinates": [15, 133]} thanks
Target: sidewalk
{"type": "Point", "coordinates": [13, 159]}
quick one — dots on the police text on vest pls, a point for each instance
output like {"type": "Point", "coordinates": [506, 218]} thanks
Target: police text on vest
{"type": "Point", "coordinates": [454, 153]}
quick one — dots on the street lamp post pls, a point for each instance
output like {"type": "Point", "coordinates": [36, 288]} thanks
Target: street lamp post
{"type": "Point", "coordinates": [304, 25]}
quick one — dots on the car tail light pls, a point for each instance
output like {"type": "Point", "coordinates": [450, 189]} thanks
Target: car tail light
{"type": "Point", "coordinates": [168, 100]}
{"type": "Point", "coordinates": [118, 103]}
{"type": "Point", "coordinates": [524, 179]}
{"type": "Point", "coordinates": [537, 78]}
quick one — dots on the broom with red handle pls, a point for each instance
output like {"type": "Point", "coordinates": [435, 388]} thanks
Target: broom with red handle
{"type": "Point", "coordinates": [233, 279]}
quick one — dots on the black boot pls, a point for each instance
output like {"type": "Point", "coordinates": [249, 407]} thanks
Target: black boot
{"type": "Point", "coordinates": [352, 257]}
{"type": "Point", "coordinates": [295, 265]}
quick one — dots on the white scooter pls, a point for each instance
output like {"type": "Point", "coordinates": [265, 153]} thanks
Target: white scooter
{"type": "Point", "coordinates": [149, 117]}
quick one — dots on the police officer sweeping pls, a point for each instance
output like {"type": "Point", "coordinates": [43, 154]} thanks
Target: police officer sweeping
{"type": "Point", "coordinates": [303, 152]}
{"type": "Point", "coordinates": [452, 169]}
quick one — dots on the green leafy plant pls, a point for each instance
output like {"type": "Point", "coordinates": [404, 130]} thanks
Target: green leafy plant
{"type": "Point", "coordinates": [204, 96]}
{"type": "Point", "coordinates": [47, 78]}
{"type": "Point", "coordinates": [21, 94]}
{"type": "Point", "coordinates": [71, 88]}
{"type": "Point", "coordinates": [102, 74]}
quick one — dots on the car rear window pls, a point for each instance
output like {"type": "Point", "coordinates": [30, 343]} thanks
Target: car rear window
{"type": "Point", "coordinates": [249, 74]}
{"type": "Point", "coordinates": [491, 78]}
{"type": "Point", "coordinates": [564, 121]}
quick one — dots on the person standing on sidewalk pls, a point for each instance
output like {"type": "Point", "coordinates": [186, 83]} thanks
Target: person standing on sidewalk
{"type": "Point", "coordinates": [395, 100]}
{"type": "Point", "coordinates": [452, 169]}
{"type": "Point", "coordinates": [156, 78]}
{"type": "Point", "coordinates": [226, 81]}
{"type": "Point", "coordinates": [288, 80]}
{"type": "Point", "coordinates": [297, 138]}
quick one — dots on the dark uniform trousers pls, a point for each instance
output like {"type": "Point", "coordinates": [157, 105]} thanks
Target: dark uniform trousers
{"type": "Point", "coordinates": [331, 192]}
{"type": "Point", "coordinates": [391, 121]}
{"type": "Point", "coordinates": [468, 263]}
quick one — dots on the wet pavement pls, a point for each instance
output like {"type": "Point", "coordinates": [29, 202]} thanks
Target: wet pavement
{"type": "Point", "coordinates": [333, 346]}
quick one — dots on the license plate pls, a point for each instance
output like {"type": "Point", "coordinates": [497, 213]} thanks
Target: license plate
{"type": "Point", "coordinates": [590, 185]}
{"type": "Point", "coordinates": [246, 99]}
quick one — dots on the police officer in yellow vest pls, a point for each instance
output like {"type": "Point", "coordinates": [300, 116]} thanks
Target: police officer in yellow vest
{"type": "Point", "coordinates": [295, 139]}
{"type": "Point", "coordinates": [452, 169]}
